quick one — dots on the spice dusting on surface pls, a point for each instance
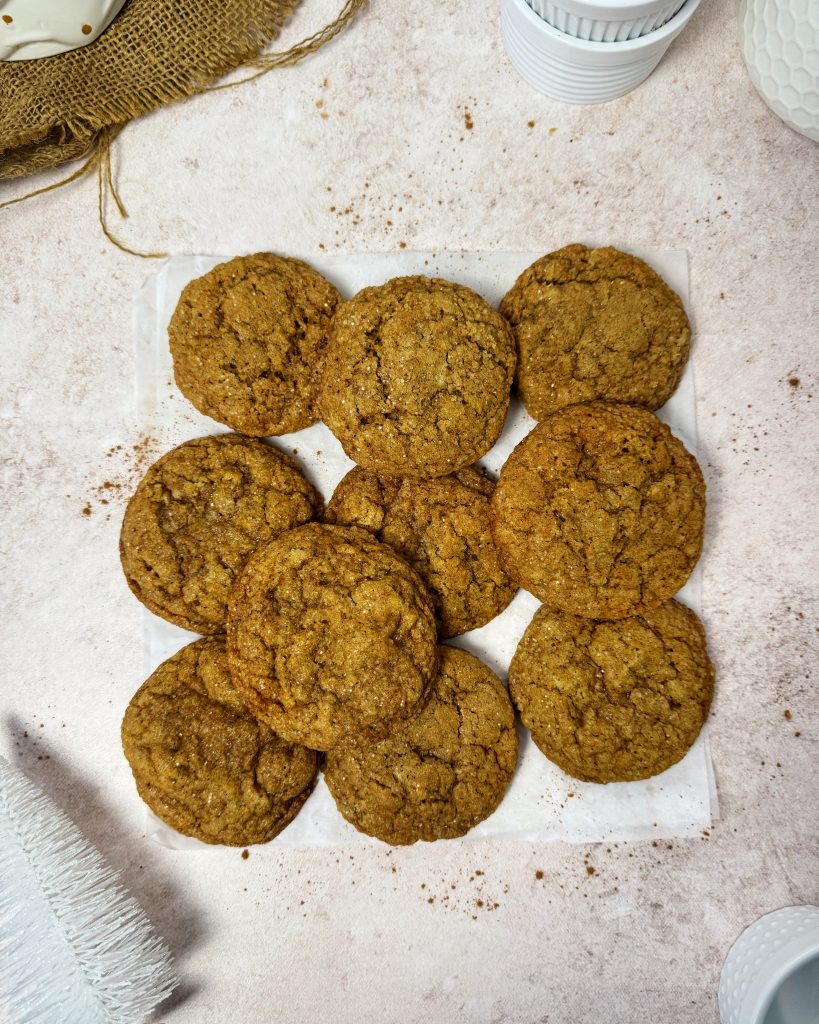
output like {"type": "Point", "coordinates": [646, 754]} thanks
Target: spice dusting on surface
{"type": "Point", "coordinates": [135, 460]}
{"type": "Point", "coordinates": [788, 714]}
{"type": "Point", "coordinates": [469, 124]}
{"type": "Point", "coordinates": [538, 875]}
{"type": "Point", "coordinates": [481, 896]}
{"type": "Point", "coordinates": [794, 382]}
{"type": "Point", "coordinates": [245, 854]}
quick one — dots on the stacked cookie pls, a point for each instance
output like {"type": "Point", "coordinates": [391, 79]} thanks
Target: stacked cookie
{"type": "Point", "coordinates": [600, 512]}
{"type": "Point", "coordinates": [200, 759]}
{"type": "Point", "coordinates": [324, 636]}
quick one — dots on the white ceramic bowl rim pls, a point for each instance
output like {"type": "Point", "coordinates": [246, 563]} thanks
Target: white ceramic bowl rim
{"type": "Point", "coordinates": [788, 967]}
{"type": "Point", "coordinates": [764, 955]}
{"type": "Point", "coordinates": [651, 40]}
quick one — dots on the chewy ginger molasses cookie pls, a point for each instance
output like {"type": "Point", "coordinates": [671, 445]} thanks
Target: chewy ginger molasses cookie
{"type": "Point", "coordinates": [202, 762]}
{"type": "Point", "coordinates": [438, 774]}
{"type": "Point", "coordinates": [600, 511]}
{"type": "Point", "coordinates": [416, 377]}
{"type": "Point", "coordinates": [330, 632]}
{"type": "Point", "coordinates": [197, 515]}
{"type": "Point", "coordinates": [246, 339]}
{"type": "Point", "coordinates": [595, 323]}
{"type": "Point", "coordinates": [613, 701]}
{"type": "Point", "coordinates": [441, 527]}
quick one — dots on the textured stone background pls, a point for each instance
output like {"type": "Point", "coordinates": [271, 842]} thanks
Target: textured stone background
{"type": "Point", "coordinates": [365, 147]}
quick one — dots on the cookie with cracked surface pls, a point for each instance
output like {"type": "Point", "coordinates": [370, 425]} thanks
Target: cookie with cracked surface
{"type": "Point", "coordinates": [330, 632]}
{"type": "Point", "coordinates": [198, 514]}
{"type": "Point", "coordinates": [202, 762]}
{"type": "Point", "coordinates": [246, 339]}
{"type": "Point", "coordinates": [441, 772]}
{"type": "Point", "coordinates": [613, 701]}
{"type": "Point", "coordinates": [441, 527]}
{"type": "Point", "coordinates": [416, 377]}
{"type": "Point", "coordinates": [600, 511]}
{"type": "Point", "coordinates": [595, 324]}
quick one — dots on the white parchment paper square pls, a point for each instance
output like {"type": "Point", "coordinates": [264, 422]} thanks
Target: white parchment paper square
{"type": "Point", "coordinates": [542, 803]}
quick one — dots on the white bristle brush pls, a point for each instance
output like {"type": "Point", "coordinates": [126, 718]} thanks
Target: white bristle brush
{"type": "Point", "coordinates": [74, 947]}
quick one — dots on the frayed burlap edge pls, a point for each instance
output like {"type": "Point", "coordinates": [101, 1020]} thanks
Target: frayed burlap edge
{"type": "Point", "coordinates": [71, 141]}
{"type": "Point", "coordinates": [38, 126]}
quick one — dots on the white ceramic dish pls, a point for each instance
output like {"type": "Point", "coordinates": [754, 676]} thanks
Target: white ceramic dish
{"type": "Point", "coordinates": [44, 28]}
{"type": "Point", "coordinates": [771, 973]}
{"type": "Point", "coordinates": [606, 22]}
{"type": "Point", "coordinates": [579, 70]}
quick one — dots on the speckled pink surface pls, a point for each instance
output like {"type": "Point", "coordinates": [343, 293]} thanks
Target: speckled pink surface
{"type": "Point", "coordinates": [362, 148]}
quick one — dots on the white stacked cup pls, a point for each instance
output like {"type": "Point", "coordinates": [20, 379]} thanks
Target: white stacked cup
{"type": "Point", "coordinates": [590, 51]}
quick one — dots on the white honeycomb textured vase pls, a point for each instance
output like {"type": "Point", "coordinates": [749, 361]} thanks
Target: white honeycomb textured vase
{"type": "Point", "coordinates": [780, 44]}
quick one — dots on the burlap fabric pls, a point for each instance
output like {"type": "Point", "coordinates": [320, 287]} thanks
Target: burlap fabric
{"type": "Point", "coordinates": [155, 52]}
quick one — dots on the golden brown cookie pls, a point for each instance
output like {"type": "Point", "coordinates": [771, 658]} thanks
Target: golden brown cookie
{"type": "Point", "coordinates": [438, 774]}
{"type": "Point", "coordinates": [441, 527]}
{"type": "Point", "coordinates": [330, 632]}
{"type": "Point", "coordinates": [600, 511]}
{"type": "Point", "coordinates": [595, 323]}
{"type": "Point", "coordinates": [416, 377]}
{"type": "Point", "coordinates": [246, 339]}
{"type": "Point", "coordinates": [197, 515]}
{"type": "Point", "coordinates": [613, 701]}
{"type": "Point", "coordinates": [202, 762]}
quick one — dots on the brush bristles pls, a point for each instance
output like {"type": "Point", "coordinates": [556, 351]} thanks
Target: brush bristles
{"type": "Point", "coordinates": [74, 947]}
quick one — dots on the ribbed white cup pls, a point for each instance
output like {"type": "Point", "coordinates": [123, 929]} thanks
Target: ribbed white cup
{"type": "Point", "coordinates": [580, 70]}
{"type": "Point", "coordinates": [610, 22]}
{"type": "Point", "coordinates": [771, 973]}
